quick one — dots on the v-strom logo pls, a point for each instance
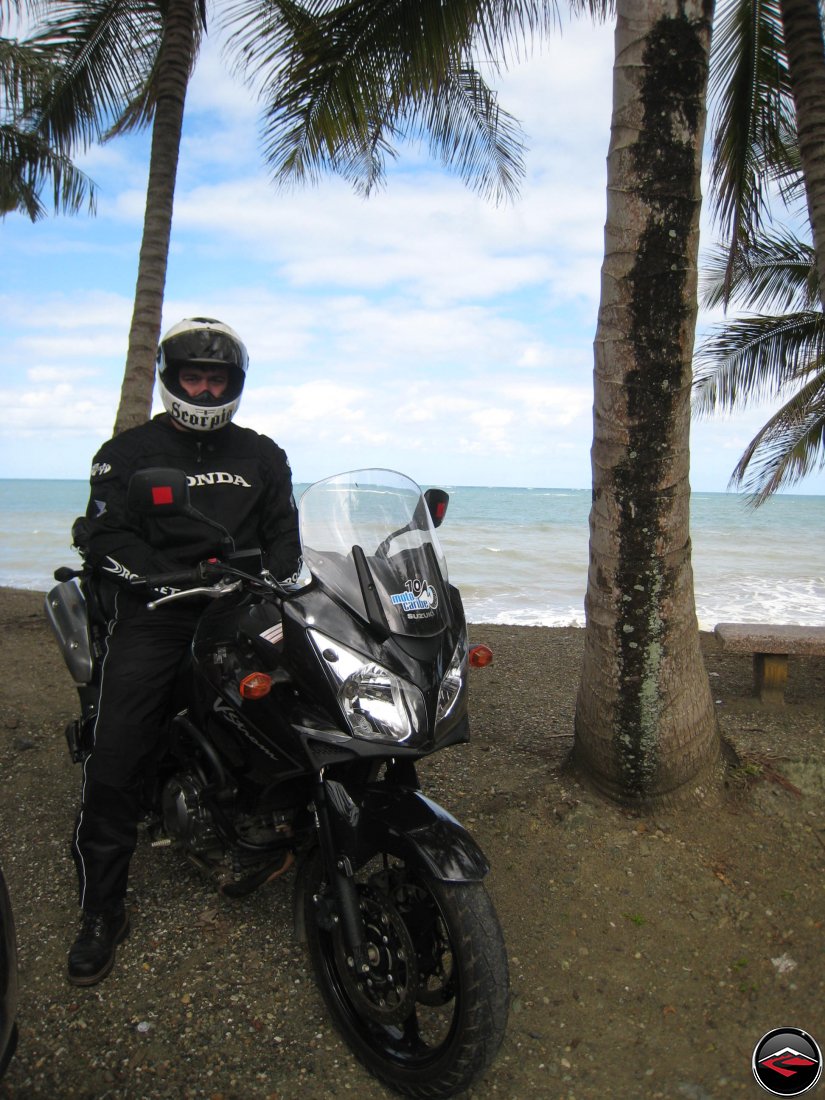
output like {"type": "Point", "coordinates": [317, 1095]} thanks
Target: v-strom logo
{"type": "Point", "coordinates": [234, 719]}
{"type": "Point", "coordinates": [217, 477]}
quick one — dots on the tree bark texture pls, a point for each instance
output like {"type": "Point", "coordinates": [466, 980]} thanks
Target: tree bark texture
{"type": "Point", "coordinates": [645, 729]}
{"type": "Point", "coordinates": [802, 28]}
{"type": "Point", "coordinates": [174, 67]}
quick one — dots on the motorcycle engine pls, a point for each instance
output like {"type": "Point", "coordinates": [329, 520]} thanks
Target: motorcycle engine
{"type": "Point", "coordinates": [185, 818]}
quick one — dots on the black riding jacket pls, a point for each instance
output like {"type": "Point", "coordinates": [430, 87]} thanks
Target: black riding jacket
{"type": "Point", "coordinates": [236, 476]}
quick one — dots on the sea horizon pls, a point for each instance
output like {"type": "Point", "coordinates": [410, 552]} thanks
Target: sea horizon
{"type": "Point", "coordinates": [519, 554]}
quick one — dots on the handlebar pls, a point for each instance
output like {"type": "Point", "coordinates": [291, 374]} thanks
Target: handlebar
{"type": "Point", "coordinates": [228, 578]}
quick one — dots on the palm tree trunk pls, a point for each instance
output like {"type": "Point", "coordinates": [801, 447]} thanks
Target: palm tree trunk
{"type": "Point", "coordinates": [645, 728]}
{"type": "Point", "coordinates": [805, 48]}
{"type": "Point", "coordinates": [174, 66]}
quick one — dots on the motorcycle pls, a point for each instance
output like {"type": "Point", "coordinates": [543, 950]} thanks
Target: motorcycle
{"type": "Point", "coordinates": [8, 979]}
{"type": "Point", "coordinates": [307, 706]}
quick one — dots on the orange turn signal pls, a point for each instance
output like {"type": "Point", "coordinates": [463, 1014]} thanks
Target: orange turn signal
{"type": "Point", "coordinates": [480, 656]}
{"type": "Point", "coordinates": [256, 685]}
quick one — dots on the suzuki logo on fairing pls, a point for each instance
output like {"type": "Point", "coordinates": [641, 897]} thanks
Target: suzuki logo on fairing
{"type": "Point", "coordinates": [419, 596]}
{"type": "Point", "coordinates": [217, 477]}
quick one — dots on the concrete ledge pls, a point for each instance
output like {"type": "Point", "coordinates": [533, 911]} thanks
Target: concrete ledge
{"type": "Point", "coordinates": [770, 644]}
{"type": "Point", "coordinates": [771, 638]}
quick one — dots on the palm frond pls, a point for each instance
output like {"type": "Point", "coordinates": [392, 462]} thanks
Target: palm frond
{"type": "Point", "coordinates": [753, 358]}
{"type": "Point", "coordinates": [775, 272]}
{"type": "Point", "coordinates": [753, 114]}
{"type": "Point", "coordinates": [106, 50]}
{"type": "Point", "coordinates": [430, 33]}
{"type": "Point", "coordinates": [386, 71]}
{"type": "Point", "coordinates": [467, 128]}
{"type": "Point", "coordinates": [24, 70]}
{"type": "Point", "coordinates": [28, 168]}
{"type": "Point", "coordinates": [12, 9]}
{"type": "Point", "coordinates": [788, 447]}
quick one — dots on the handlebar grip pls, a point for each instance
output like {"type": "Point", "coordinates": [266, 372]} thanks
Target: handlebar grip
{"type": "Point", "coordinates": [176, 579]}
{"type": "Point", "coordinates": [65, 573]}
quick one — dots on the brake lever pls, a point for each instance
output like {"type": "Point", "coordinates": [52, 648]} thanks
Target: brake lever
{"type": "Point", "coordinates": [213, 592]}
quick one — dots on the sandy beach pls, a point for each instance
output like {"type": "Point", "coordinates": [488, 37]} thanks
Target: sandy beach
{"type": "Point", "coordinates": [648, 955]}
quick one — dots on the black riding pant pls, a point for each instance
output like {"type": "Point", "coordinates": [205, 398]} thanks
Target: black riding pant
{"type": "Point", "coordinates": [144, 652]}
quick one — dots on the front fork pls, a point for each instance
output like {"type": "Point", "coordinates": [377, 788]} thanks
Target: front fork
{"type": "Point", "coordinates": [343, 903]}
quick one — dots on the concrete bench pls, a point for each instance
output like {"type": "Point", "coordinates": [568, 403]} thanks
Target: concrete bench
{"type": "Point", "coordinates": [771, 644]}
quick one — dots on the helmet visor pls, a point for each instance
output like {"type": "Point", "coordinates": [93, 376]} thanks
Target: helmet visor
{"type": "Point", "coordinates": [204, 347]}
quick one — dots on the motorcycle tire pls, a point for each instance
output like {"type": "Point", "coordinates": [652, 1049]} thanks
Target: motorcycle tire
{"type": "Point", "coordinates": [430, 1013]}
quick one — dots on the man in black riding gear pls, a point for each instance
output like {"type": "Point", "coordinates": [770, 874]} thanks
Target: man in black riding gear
{"type": "Point", "coordinates": [241, 480]}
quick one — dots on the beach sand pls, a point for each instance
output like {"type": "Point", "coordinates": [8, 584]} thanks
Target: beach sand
{"type": "Point", "coordinates": [648, 955]}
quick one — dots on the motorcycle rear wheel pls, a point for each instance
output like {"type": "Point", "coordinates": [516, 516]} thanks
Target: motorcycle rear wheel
{"type": "Point", "coordinates": [430, 1014]}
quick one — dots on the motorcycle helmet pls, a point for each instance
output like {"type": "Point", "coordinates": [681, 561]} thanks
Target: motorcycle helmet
{"type": "Point", "coordinates": [201, 342]}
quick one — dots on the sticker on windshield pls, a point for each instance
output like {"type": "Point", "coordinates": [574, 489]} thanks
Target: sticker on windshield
{"type": "Point", "coordinates": [418, 597]}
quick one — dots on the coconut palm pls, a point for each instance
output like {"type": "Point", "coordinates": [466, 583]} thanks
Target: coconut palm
{"type": "Point", "coordinates": [30, 166]}
{"type": "Point", "coordinates": [768, 355]}
{"type": "Point", "coordinates": [645, 727]}
{"type": "Point", "coordinates": [126, 63]}
{"type": "Point", "coordinates": [768, 90]}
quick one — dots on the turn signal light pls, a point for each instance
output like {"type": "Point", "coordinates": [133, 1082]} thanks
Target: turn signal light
{"type": "Point", "coordinates": [256, 685]}
{"type": "Point", "coordinates": [480, 656]}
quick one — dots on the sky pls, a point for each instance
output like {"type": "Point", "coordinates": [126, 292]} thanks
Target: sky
{"type": "Point", "coordinates": [424, 329]}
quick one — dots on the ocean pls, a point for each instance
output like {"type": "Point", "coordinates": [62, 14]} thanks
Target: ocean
{"type": "Point", "coordinates": [519, 556]}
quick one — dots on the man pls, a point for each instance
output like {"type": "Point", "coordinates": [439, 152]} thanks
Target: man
{"type": "Point", "coordinates": [237, 477]}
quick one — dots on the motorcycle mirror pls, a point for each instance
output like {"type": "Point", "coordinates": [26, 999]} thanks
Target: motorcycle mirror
{"type": "Point", "coordinates": [159, 489]}
{"type": "Point", "coordinates": [437, 501]}
{"type": "Point", "coordinates": [162, 490]}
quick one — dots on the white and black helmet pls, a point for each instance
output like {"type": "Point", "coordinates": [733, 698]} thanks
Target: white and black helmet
{"type": "Point", "coordinates": [201, 342]}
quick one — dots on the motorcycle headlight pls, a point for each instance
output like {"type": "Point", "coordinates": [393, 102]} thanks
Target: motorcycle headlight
{"type": "Point", "coordinates": [453, 682]}
{"type": "Point", "coordinates": [377, 704]}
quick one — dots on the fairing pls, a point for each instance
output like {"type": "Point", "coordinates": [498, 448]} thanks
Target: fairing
{"type": "Point", "coordinates": [370, 531]}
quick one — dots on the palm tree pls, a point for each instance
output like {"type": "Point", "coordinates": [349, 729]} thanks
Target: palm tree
{"type": "Point", "coordinates": [645, 727]}
{"type": "Point", "coordinates": [126, 63]}
{"type": "Point", "coordinates": [768, 355]}
{"type": "Point", "coordinates": [29, 165]}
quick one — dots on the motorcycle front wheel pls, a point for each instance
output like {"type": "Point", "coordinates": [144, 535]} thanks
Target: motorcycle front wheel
{"type": "Point", "coordinates": [430, 1012]}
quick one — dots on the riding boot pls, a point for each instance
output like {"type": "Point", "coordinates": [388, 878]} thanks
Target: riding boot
{"type": "Point", "coordinates": [92, 955]}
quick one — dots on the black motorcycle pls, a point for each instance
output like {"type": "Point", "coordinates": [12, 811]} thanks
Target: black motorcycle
{"type": "Point", "coordinates": [307, 707]}
{"type": "Point", "coordinates": [8, 979]}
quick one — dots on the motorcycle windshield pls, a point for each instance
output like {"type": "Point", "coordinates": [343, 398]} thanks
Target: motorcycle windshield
{"type": "Point", "coordinates": [368, 535]}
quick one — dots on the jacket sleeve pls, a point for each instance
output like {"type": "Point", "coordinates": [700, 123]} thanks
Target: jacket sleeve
{"type": "Point", "coordinates": [279, 517]}
{"type": "Point", "coordinates": [115, 543]}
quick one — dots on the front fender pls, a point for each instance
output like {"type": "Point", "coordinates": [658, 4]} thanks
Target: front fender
{"type": "Point", "coordinates": [404, 822]}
